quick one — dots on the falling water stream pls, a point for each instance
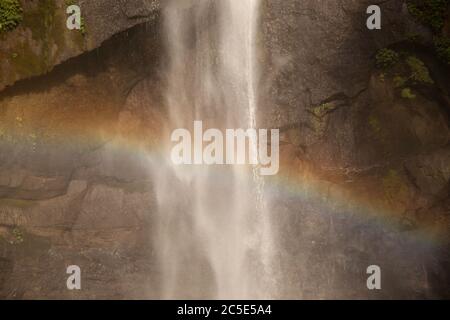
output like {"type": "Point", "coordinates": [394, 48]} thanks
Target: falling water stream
{"type": "Point", "coordinates": [213, 237]}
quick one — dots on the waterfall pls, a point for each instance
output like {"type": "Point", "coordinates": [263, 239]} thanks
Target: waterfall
{"type": "Point", "coordinates": [213, 235]}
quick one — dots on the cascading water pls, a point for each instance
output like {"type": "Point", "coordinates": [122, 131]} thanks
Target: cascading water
{"type": "Point", "coordinates": [213, 236]}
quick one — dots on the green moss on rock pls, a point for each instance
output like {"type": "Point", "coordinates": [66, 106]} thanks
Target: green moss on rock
{"type": "Point", "coordinates": [27, 62]}
{"type": "Point", "coordinates": [419, 71]}
{"type": "Point", "coordinates": [10, 15]}
{"type": "Point", "coordinates": [321, 110]}
{"type": "Point", "coordinates": [400, 81]}
{"type": "Point", "coordinates": [46, 21]}
{"type": "Point", "coordinates": [377, 129]}
{"type": "Point", "coordinates": [386, 58]}
{"type": "Point", "coordinates": [431, 13]}
{"type": "Point", "coordinates": [442, 46]}
{"type": "Point", "coordinates": [408, 94]}
{"type": "Point", "coordinates": [408, 72]}
{"type": "Point", "coordinates": [16, 203]}
{"type": "Point", "coordinates": [41, 20]}
{"type": "Point", "coordinates": [434, 14]}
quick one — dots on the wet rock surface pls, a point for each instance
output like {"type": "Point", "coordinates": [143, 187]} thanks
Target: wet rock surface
{"type": "Point", "coordinates": [42, 40]}
{"type": "Point", "coordinates": [75, 188]}
{"type": "Point", "coordinates": [355, 150]}
{"type": "Point", "coordinates": [364, 175]}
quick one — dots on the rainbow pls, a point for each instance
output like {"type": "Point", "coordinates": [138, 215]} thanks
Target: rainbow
{"type": "Point", "coordinates": [296, 180]}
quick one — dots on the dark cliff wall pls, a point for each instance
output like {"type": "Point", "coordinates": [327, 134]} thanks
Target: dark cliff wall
{"type": "Point", "coordinates": [41, 40]}
{"type": "Point", "coordinates": [365, 156]}
{"type": "Point", "coordinates": [364, 116]}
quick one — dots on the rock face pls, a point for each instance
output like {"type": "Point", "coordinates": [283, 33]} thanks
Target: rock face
{"type": "Point", "coordinates": [74, 185]}
{"type": "Point", "coordinates": [358, 148]}
{"type": "Point", "coordinates": [42, 40]}
{"type": "Point", "coordinates": [364, 162]}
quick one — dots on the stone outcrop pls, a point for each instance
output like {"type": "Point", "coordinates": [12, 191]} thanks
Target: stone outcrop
{"type": "Point", "coordinates": [350, 132]}
{"type": "Point", "coordinates": [366, 165]}
{"type": "Point", "coordinates": [43, 41]}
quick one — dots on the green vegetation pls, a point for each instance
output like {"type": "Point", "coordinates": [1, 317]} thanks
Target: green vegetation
{"type": "Point", "coordinates": [323, 109]}
{"type": "Point", "coordinates": [41, 19]}
{"type": "Point", "coordinates": [27, 62]}
{"type": "Point", "coordinates": [46, 20]}
{"type": "Point", "coordinates": [375, 125]}
{"type": "Point", "coordinates": [408, 94]}
{"type": "Point", "coordinates": [405, 71]}
{"type": "Point", "coordinates": [409, 71]}
{"type": "Point", "coordinates": [431, 13]}
{"type": "Point", "coordinates": [17, 236]}
{"type": "Point", "coordinates": [378, 132]}
{"type": "Point", "coordinates": [83, 26]}
{"type": "Point", "coordinates": [442, 46]}
{"type": "Point", "coordinates": [414, 38]}
{"type": "Point", "coordinates": [419, 72]}
{"type": "Point", "coordinates": [319, 121]}
{"type": "Point", "coordinates": [386, 58]}
{"type": "Point", "coordinates": [17, 203]}
{"type": "Point", "coordinates": [10, 15]}
{"type": "Point", "coordinates": [399, 81]}
{"type": "Point", "coordinates": [47, 25]}
{"type": "Point", "coordinates": [70, 2]}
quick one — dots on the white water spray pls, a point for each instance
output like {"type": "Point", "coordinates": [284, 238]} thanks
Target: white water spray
{"type": "Point", "coordinates": [214, 238]}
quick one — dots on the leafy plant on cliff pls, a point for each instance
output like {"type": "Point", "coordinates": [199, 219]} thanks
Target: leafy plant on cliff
{"type": "Point", "coordinates": [431, 13]}
{"type": "Point", "coordinates": [419, 72]}
{"type": "Point", "coordinates": [17, 236]}
{"type": "Point", "coordinates": [10, 15]}
{"type": "Point", "coordinates": [386, 58]}
{"type": "Point", "coordinates": [83, 27]}
{"type": "Point", "coordinates": [405, 71]}
{"type": "Point", "coordinates": [375, 125]}
{"type": "Point", "coordinates": [400, 81]}
{"type": "Point", "coordinates": [442, 45]}
{"type": "Point", "coordinates": [408, 94]}
{"type": "Point", "coordinates": [322, 110]}
{"type": "Point", "coordinates": [418, 75]}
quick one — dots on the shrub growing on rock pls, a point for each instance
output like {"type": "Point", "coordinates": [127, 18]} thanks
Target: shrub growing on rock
{"type": "Point", "coordinates": [386, 58]}
{"type": "Point", "coordinates": [419, 71]}
{"type": "Point", "coordinates": [10, 15]}
{"type": "Point", "coordinates": [408, 94]}
{"type": "Point", "coordinates": [431, 13]}
{"type": "Point", "coordinates": [442, 45]}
